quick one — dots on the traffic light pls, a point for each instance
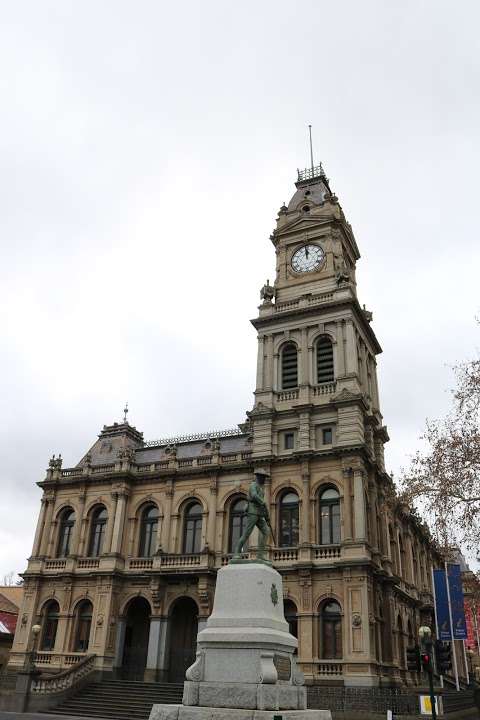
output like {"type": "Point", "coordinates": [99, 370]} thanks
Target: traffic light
{"type": "Point", "coordinates": [443, 654]}
{"type": "Point", "coordinates": [426, 660]}
{"type": "Point", "coordinates": [413, 659]}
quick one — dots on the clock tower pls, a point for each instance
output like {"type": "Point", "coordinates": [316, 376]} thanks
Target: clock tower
{"type": "Point", "coordinates": [316, 422]}
{"type": "Point", "coordinates": [316, 367]}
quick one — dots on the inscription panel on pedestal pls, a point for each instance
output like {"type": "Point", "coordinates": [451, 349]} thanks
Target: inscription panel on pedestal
{"type": "Point", "coordinates": [282, 666]}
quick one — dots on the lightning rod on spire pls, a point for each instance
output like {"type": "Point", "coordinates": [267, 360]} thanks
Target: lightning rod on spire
{"type": "Point", "coordinates": [311, 147]}
{"type": "Point", "coordinates": [125, 412]}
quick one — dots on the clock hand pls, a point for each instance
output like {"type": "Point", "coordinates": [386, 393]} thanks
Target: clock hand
{"type": "Point", "coordinates": [306, 253]}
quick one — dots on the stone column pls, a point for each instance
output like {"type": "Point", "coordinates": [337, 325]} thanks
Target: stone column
{"type": "Point", "coordinates": [132, 526]}
{"type": "Point", "coordinates": [51, 539]}
{"type": "Point", "coordinates": [46, 526]}
{"type": "Point", "coordinates": [83, 536]}
{"type": "Point", "coordinates": [40, 525]}
{"type": "Point", "coordinates": [340, 348]}
{"type": "Point", "coordinates": [269, 380]}
{"type": "Point", "coordinates": [119, 522]}
{"type": "Point", "coordinates": [347, 505]}
{"type": "Point", "coordinates": [351, 348]}
{"type": "Point", "coordinates": [111, 523]}
{"type": "Point", "coordinates": [305, 518]}
{"type": "Point", "coordinates": [167, 545]}
{"type": "Point", "coordinates": [156, 669]}
{"type": "Point", "coordinates": [260, 363]}
{"type": "Point", "coordinates": [359, 505]}
{"type": "Point", "coordinates": [304, 431]}
{"type": "Point", "coordinates": [212, 514]}
{"type": "Point", "coordinates": [401, 569]}
{"type": "Point", "coordinates": [77, 529]}
{"type": "Point", "coordinates": [119, 642]}
{"type": "Point", "coordinates": [372, 492]}
{"type": "Point", "coordinates": [304, 373]}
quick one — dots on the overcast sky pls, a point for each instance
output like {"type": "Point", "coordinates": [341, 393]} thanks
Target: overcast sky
{"type": "Point", "coordinates": [145, 150]}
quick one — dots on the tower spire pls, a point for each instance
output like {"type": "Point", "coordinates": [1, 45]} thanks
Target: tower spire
{"type": "Point", "coordinates": [125, 412]}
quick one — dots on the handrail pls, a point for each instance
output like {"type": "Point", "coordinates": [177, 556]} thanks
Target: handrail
{"type": "Point", "coordinates": [65, 679]}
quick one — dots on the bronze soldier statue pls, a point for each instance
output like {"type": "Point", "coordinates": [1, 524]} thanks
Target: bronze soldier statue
{"type": "Point", "coordinates": [257, 513]}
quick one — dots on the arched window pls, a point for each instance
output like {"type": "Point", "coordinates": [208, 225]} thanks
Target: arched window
{"type": "Point", "coordinates": [148, 531]}
{"type": "Point", "coordinates": [50, 624]}
{"type": "Point", "coordinates": [290, 612]}
{"type": "Point", "coordinates": [324, 360]}
{"type": "Point", "coordinates": [192, 534]}
{"type": "Point", "coordinates": [331, 631]}
{"type": "Point", "coordinates": [288, 532]}
{"type": "Point", "coordinates": [97, 532]}
{"type": "Point", "coordinates": [67, 522]}
{"type": "Point", "coordinates": [238, 522]}
{"type": "Point", "coordinates": [330, 517]}
{"type": "Point", "coordinates": [289, 366]}
{"type": "Point", "coordinates": [83, 625]}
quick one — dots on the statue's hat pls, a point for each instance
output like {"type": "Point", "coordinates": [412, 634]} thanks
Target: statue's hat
{"type": "Point", "coordinates": [261, 471]}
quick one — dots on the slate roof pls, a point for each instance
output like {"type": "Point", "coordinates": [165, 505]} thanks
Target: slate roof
{"type": "Point", "coordinates": [9, 622]}
{"type": "Point", "coordinates": [4, 629]}
{"type": "Point", "coordinates": [120, 436]}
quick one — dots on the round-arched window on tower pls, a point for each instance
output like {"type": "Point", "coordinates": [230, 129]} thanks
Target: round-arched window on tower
{"type": "Point", "coordinates": [289, 366]}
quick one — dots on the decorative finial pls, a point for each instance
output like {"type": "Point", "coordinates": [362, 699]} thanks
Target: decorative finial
{"type": "Point", "coordinates": [125, 412]}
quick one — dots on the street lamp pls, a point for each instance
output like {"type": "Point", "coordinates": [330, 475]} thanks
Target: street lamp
{"type": "Point", "coordinates": [470, 655]}
{"type": "Point", "coordinates": [35, 633]}
{"type": "Point", "coordinates": [425, 635]}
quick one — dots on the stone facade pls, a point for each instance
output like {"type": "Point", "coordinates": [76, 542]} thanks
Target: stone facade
{"type": "Point", "coordinates": [315, 425]}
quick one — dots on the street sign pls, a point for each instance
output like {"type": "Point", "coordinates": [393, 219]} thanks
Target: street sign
{"type": "Point", "coordinates": [426, 705]}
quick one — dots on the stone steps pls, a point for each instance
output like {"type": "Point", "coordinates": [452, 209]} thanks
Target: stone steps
{"type": "Point", "coordinates": [119, 699]}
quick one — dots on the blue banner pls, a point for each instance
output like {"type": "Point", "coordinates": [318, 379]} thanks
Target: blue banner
{"type": "Point", "coordinates": [457, 602]}
{"type": "Point", "coordinates": [441, 605]}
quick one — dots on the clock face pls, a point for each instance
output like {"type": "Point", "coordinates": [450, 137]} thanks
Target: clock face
{"type": "Point", "coordinates": [308, 258]}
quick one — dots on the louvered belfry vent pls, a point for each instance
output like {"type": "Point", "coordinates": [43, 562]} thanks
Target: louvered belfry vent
{"type": "Point", "coordinates": [325, 361]}
{"type": "Point", "coordinates": [289, 366]}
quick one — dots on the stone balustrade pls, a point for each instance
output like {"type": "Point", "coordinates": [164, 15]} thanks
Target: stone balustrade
{"type": "Point", "coordinates": [68, 678]}
{"type": "Point", "coordinates": [328, 668]}
{"type": "Point", "coordinates": [173, 464]}
{"type": "Point", "coordinates": [286, 395]}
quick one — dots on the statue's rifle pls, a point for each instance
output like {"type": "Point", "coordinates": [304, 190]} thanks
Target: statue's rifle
{"type": "Point", "coordinates": [267, 519]}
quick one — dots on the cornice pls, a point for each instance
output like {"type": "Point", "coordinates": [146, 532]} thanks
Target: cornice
{"type": "Point", "coordinates": [260, 323]}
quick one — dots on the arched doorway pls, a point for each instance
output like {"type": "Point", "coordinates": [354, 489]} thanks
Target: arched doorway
{"type": "Point", "coordinates": [137, 629]}
{"type": "Point", "coordinates": [183, 627]}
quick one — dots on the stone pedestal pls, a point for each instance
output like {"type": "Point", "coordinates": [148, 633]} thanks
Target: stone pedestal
{"type": "Point", "coordinates": [245, 667]}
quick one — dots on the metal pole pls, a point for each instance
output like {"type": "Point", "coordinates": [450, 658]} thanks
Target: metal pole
{"type": "Point", "coordinates": [466, 663]}
{"type": "Point", "coordinates": [432, 691]}
{"type": "Point", "coordinates": [311, 147]}
{"type": "Point", "coordinates": [436, 618]}
{"type": "Point", "coordinates": [454, 652]}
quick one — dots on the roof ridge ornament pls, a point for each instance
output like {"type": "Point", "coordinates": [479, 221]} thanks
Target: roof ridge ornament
{"type": "Point", "coordinates": [231, 432]}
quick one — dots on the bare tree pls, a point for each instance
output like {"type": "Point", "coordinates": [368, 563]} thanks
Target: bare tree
{"type": "Point", "coordinates": [9, 579]}
{"type": "Point", "coordinates": [445, 479]}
